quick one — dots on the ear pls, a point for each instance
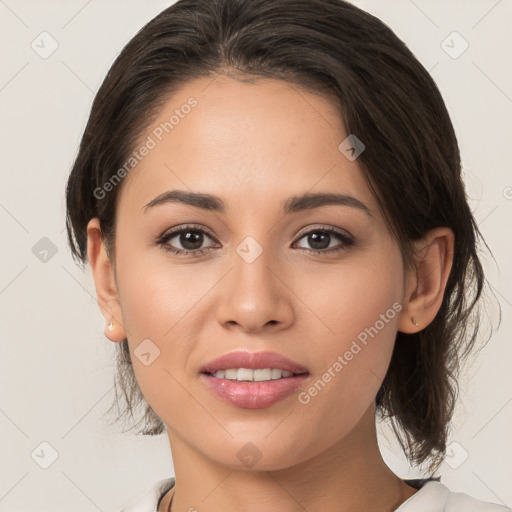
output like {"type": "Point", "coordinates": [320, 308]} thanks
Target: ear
{"type": "Point", "coordinates": [426, 281]}
{"type": "Point", "coordinates": [104, 281]}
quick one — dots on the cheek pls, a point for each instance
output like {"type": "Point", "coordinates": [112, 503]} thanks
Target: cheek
{"type": "Point", "coordinates": [348, 299]}
{"type": "Point", "coordinates": [359, 307]}
{"type": "Point", "coordinates": [157, 296]}
{"type": "Point", "coordinates": [163, 313]}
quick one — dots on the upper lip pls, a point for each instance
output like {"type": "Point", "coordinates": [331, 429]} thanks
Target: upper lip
{"type": "Point", "coordinates": [254, 360]}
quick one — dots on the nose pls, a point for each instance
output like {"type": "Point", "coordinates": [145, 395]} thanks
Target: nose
{"type": "Point", "coordinates": [256, 295]}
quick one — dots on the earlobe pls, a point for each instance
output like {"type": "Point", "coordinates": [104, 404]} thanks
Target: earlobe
{"type": "Point", "coordinates": [426, 282]}
{"type": "Point", "coordinates": [104, 282]}
{"type": "Point", "coordinates": [115, 331]}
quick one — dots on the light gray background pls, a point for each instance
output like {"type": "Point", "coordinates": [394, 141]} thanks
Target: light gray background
{"type": "Point", "coordinates": [56, 366]}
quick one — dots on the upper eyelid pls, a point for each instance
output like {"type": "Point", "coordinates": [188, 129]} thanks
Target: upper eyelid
{"type": "Point", "coordinates": [323, 227]}
{"type": "Point", "coordinates": [191, 227]}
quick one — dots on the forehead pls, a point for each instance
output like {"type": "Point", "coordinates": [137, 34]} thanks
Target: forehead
{"type": "Point", "coordinates": [244, 141]}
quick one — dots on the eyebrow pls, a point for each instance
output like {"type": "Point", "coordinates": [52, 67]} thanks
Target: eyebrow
{"type": "Point", "coordinates": [293, 204]}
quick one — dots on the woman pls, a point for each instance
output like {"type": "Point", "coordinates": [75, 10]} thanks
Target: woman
{"type": "Point", "coordinates": [269, 195]}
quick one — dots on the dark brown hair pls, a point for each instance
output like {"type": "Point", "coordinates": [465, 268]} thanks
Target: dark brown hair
{"type": "Point", "coordinates": [387, 98]}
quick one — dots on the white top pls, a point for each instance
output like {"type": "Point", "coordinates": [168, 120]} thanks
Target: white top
{"type": "Point", "coordinates": [432, 497]}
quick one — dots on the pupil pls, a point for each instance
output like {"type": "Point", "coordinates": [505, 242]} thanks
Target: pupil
{"type": "Point", "coordinates": [319, 241]}
{"type": "Point", "coordinates": [191, 240]}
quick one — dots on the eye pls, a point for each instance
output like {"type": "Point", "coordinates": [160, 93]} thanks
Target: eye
{"type": "Point", "coordinates": [321, 239]}
{"type": "Point", "coordinates": [190, 238]}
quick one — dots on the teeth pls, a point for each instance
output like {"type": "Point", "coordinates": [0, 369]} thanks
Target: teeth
{"type": "Point", "coordinates": [231, 374]}
{"type": "Point", "coordinates": [275, 373]}
{"type": "Point", "coordinates": [248, 374]}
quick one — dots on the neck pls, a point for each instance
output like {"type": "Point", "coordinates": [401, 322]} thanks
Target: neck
{"type": "Point", "coordinates": [350, 476]}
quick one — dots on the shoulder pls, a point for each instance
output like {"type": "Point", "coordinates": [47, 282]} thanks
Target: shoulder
{"type": "Point", "coordinates": [436, 497]}
{"type": "Point", "coordinates": [149, 499]}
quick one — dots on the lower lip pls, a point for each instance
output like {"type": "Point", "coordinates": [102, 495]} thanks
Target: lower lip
{"type": "Point", "coordinates": [254, 395]}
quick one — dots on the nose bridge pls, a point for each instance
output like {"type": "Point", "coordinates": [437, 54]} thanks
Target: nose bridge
{"type": "Point", "coordinates": [254, 294]}
{"type": "Point", "coordinates": [253, 279]}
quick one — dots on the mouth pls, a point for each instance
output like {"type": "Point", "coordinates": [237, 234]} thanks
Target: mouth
{"type": "Point", "coordinates": [253, 380]}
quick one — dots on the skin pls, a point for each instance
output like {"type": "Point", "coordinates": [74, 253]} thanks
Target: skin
{"type": "Point", "coordinates": [255, 145]}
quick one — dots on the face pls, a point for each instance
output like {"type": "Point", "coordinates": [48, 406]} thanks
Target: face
{"type": "Point", "coordinates": [321, 283]}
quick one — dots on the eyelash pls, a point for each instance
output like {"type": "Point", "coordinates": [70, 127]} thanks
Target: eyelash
{"type": "Point", "coordinates": [163, 240]}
